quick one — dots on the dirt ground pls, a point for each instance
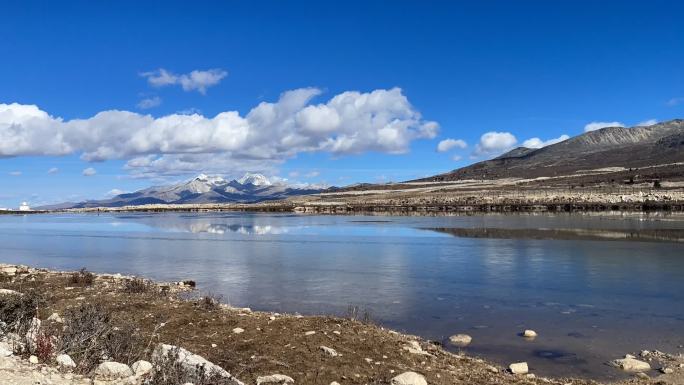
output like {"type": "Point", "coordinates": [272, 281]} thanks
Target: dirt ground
{"type": "Point", "coordinates": [270, 343]}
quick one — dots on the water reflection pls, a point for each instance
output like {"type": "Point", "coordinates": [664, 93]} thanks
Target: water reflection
{"type": "Point", "coordinates": [640, 235]}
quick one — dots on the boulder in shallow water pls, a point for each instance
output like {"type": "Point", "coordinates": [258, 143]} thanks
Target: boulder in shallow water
{"type": "Point", "coordinates": [409, 378]}
{"type": "Point", "coordinates": [629, 364]}
{"type": "Point", "coordinates": [529, 333]}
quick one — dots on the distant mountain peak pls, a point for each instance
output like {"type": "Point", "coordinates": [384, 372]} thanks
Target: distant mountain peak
{"type": "Point", "coordinates": [254, 179]}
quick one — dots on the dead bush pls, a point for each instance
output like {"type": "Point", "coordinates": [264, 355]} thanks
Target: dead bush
{"type": "Point", "coordinates": [17, 312]}
{"type": "Point", "coordinates": [209, 302]}
{"type": "Point", "coordinates": [355, 313]}
{"type": "Point", "coordinates": [89, 336]}
{"type": "Point", "coordinates": [82, 278]}
{"type": "Point", "coordinates": [138, 286]}
{"type": "Point", "coordinates": [45, 348]}
{"type": "Point", "coordinates": [168, 370]}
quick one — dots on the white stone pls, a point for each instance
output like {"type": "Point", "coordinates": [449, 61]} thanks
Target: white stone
{"type": "Point", "coordinates": [461, 340]}
{"type": "Point", "coordinates": [9, 292]}
{"type": "Point", "coordinates": [631, 365]}
{"type": "Point", "coordinates": [111, 370]}
{"type": "Point", "coordinates": [191, 361]}
{"type": "Point", "coordinates": [32, 335]}
{"type": "Point", "coordinates": [54, 317]}
{"type": "Point", "coordinates": [275, 379]}
{"type": "Point", "coordinates": [33, 360]}
{"type": "Point", "coordinates": [334, 383]}
{"type": "Point", "coordinates": [64, 361]}
{"type": "Point", "coordinates": [529, 334]}
{"type": "Point", "coordinates": [9, 270]}
{"type": "Point", "coordinates": [141, 368]}
{"type": "Point", "coordinates": [409, 378]}
{"type": "Point", "coordinates": [666, 370]}
{"type": "Point", "coordinates": [310, 333]}
{"type": "Point", "coordinates": [329, 351]}
{"type": "Point", "coordinates": [238, 330]}
{"type": "Point", "coordinates": [5, 349]}
{"type": "Point", "coordinates": [519, 368]}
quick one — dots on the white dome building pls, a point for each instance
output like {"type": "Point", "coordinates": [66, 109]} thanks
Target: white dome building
{"type": "Point", "coordinates": [24, 207]}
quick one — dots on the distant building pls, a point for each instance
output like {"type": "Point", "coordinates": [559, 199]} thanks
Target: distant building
{"type": "Point", "coordinates": [24, 207]}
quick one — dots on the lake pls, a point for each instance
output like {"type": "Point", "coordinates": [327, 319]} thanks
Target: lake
{"type": "Point", "coordinates": [594, 286]}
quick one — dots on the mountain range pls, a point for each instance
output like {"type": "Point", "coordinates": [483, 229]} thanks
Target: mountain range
{"type": "Point", "coordinates": [622, 148]}
{"type": "Point", "coordinates": [250, 188]}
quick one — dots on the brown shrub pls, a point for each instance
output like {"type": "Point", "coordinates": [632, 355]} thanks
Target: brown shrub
{"type": "Point", "coordinates": [82, 278]}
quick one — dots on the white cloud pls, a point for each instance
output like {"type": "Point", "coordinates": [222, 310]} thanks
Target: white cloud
{"type": "Point", "coordinates": [53, 170]}
{"type": "Point", "coordinates": [675, 101]}
{"type": "Point", "coordinates": [15, 173]}
{"type": "Point", "coordinates": [380, 121]}
{"type": "Point", "coordinates": [312, 174]}
{"type": "Point", "coordinates": [538, 143]}
{"type": "Point", "coordinates": [494, 143]}
{"type": "Point", "coordinates": [593, 126]}
{"type": "Point", "coordinates": [449, 144]}
{"type": "Point", "coordinates": [456, 158]}
{"type": "Point", "coordinates": [148, 103]}
{"type": "Point", "coordinates": [293, 174]}
{"type": "Point", "coordinates": [648, 122]}
{"type": "Point", "coordinates": [89, 171]}
{"type": "Point", "coordinates": [194, 81]}
{"type": "Point", "coordinates": [115, 192]}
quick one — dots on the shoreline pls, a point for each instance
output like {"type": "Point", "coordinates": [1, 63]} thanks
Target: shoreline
{"type": "Point", "coordinates": [361, 348]}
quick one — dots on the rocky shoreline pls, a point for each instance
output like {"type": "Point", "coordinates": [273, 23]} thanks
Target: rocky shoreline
{"type": "Point", "coordinates": [111, 329]}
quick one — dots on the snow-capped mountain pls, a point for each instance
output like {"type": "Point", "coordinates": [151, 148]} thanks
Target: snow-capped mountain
{"type": "Point", "coordinates": [209, 189]}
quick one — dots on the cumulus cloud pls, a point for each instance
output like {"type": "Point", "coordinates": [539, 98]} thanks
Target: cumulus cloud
{"type": "Point", "coordinates": [449, 144]}
{"type": "Point", "coordinates": [272, 132]}
{"type": "Point", "coordinates": [593, 126]}
{"type": "Point", "coordinates": [53, 170]}
{"type": "Point", "coordinates": [148, 103]}
{"type": "Point", "coordinates": [196, 80]}
{"type": "Point", "coordinates": [494, 143]}
{"type": "Point", "coordinates": [648, 122]}
{"type": "Point", "coordinates": [538, 143]}
{"type": "Point", "coordinates": [89, 171]}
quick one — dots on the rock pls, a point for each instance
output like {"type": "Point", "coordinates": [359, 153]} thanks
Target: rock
{"type": "Point", "coordinates": [409, 378]}
{"type": "Point", "coordinates": [54, 317]}
{"type": "Point", "coordinates": [238, 330]}
{"type": "Point", "coordinates": [334, 383]}
{"type": "Point", "coordinates": [329, 351]}
{"type": "Point", "coordinates": [631, 365]}
{"type": "Point", "coordinates": [33, 360]}
{"type": "Point", "coordinates": [5, 350]}
{"type": "Point", "coordinates": [9, 292]}
{"type": "Point", "coordinates": [492, 369]}
{"type": "Point", "coordinates": [275, 379]}
{"type": "Point", "coordinates": [32, 335]}
{"type": "Point", "coordinates": [529, 334]}
{"type": "Point", "coordinates": [643, 376]}
{"type": "Point", "coordinates": [519, 368]}
{"type": "Point", "coordinates": [141, 368]}
{"type": "Point", "coordinates": [111, 370]}
{"type": "Point", "coordinates": [310, 333]}
{"type": "Point", "coordinates": [414, 347]}
{"type": "Point", "coordinates": [629, 356]}
{"type": "Point", "coordinates": [461, 340]}
{"type": "Point", "coordinates": [666, 370]}
{"type": "Point", "coordinates": [9, 270]}
{"type": "Point", "coordinates": [191, 361]}
{"type": "Point", "coordinates": [64, 361]}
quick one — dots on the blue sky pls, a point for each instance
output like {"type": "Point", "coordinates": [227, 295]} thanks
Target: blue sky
{"type": "Point", "coordinates": [389, 72]}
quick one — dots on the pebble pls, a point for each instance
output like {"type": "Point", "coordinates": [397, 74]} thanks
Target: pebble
{"type": "Point", "coordinates": [64, 361]}
{"type": "Point", "coordinates": [33, 360]}
{"type": "Point", "coordinates": [329, 351]}
{"type": "Point", "coordinates": [666, 370]}
{"type": "Point", "coordinates": [140, 368]}
{"type": "Point", "coordinates": [310, 333]}
{"type": "Point", "coordinates": [238, 330]}
{"type": "Point", "coordinates": [113, 370]}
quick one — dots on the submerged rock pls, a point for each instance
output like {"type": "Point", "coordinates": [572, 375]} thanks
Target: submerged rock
{"type": "Point", "coordinates": [461, 340]}
{"type": "Point", "coordinates": [630, 364]}
{"type": "Point", "coordinates": [529, 333]}
{"type": "Point", "coordinates": [409, 378]}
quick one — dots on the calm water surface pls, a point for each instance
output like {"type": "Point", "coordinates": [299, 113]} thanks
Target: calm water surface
{"type": "Point", "coordinates": [593, 286]}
